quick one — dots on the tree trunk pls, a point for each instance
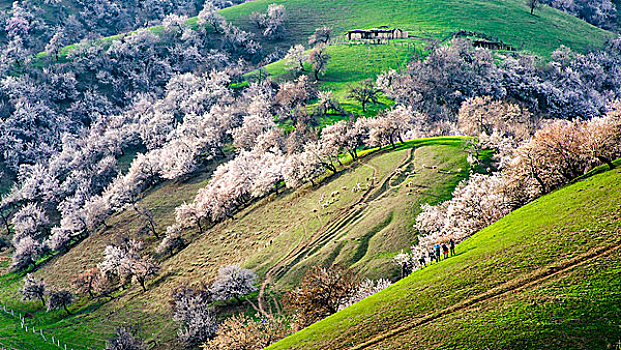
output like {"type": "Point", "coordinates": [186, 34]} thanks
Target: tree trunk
{"type": "Point", "coordinates": [363, 106]}
{"type": "Point", "coordinates": [607, 161]}
{"type": "Point", "coordinates": [144, 288]}
{"type": "Point", "coordinates": [198, 223]}
{"type": "Point", "coordinates": [5, 221]}
{"type": "Point", "coordinates": [353, 156]}
{"type": "Point", "coordinates": [153, 229]}
{"type": "Point", "coordinates": [67, 310]}
{"type": "Point", "coordinates": [317, 75]}
{"type": "Point", "coordinates": [544, 188]}
{"type": "Point", "coordinates": [330, 167]}
{"type": "Point", "coordinates": [277, 187]}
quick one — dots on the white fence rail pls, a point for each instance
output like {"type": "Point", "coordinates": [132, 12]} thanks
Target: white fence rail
{"type": "Point", "coordinates": [27, 328]}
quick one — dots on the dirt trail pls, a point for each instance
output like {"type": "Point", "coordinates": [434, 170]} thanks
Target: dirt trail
{"type": "Point", "coordinates": [537, 277]}
{"type": "Point", "coordinates": [326, 232]}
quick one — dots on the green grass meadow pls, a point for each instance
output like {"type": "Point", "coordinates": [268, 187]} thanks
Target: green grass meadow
{"type": "Point", "coordinates": [547, 276]}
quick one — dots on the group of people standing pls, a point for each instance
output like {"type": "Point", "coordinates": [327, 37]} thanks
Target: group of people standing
{"type": "Point", "coordinates": [436, 253]}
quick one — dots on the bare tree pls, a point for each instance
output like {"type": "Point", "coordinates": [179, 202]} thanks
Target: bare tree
{"type": "Point", "coordinates": [365, 92]}
{"type": "Point", "coordinates": [319, 58]}
{"type": "Point", "coordinates": [60, 299]}
{"type": "Point", "coordinates": [147, 217]}
{"type": "Point", "coordinates": [145, 269]}
{"type": "Point", "coordinates": [322, 290]}
{"type": "Point", "coordinates": [86, 282]}
{"type": "Point", "coordinates": [321, 36]}
{"type": "Point", "coordinates": [33, 288]}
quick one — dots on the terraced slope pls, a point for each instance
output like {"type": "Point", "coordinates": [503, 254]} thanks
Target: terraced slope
{"type": "Point", "coordinates": [547, 276]}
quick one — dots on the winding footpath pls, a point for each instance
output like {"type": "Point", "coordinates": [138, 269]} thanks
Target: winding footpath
{"type": "Point", "coordinates": [333, 226]}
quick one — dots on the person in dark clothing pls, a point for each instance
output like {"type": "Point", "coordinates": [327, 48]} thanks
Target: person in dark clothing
{"type": "Point", "coordinates": [445, 250]}
{"type": "Point", "coordinates": [452, 246]}
{"type": "Point", "coordinates": [432, 256]}
{"type": "Point", "coordinates": [437, 249]}
{"type": "Point", "coordinates": [422, 261]}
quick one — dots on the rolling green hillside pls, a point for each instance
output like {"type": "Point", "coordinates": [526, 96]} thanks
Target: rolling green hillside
{"type": "Point", "coordinates": [279, 237]}
{"type": "Point", "coordinates": [508, 20]}
{"type": "Point", "coordinates": [547, 276]}
{"type": "Point", "coordinates": [282, 235]}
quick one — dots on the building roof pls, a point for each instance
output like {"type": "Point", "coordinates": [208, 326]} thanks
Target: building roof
{"type": "Point", "coordinates": [382, 29]}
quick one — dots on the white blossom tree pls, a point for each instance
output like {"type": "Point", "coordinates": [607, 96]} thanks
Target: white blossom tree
{"type": "Point", "coordinates": [209, 16]}
{"type": "Point", "coordinates": [124, 340]}
{"type": "Point", "coordinates": [233, 282]}
{"type": "Point", "coordinates": [29, 219]}
{"type": "Point", "coordinates": [173, 241]}
{"type": "Point", "coordinates": [295, 58]}
{"type": "Point", "coordinates": [27, 252]}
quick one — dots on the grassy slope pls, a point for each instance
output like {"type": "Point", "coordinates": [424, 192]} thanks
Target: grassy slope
{"type": "Point", "coordinates": [362, 242]}
{"type": "Point", "coordinates": [548, 276]}
{"type": "Point", "coordinates": [508, 20]}
{"type": "Point", "coordinates": [350, 64]}
{"type": "Point", "coordinates": [245, 240]}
